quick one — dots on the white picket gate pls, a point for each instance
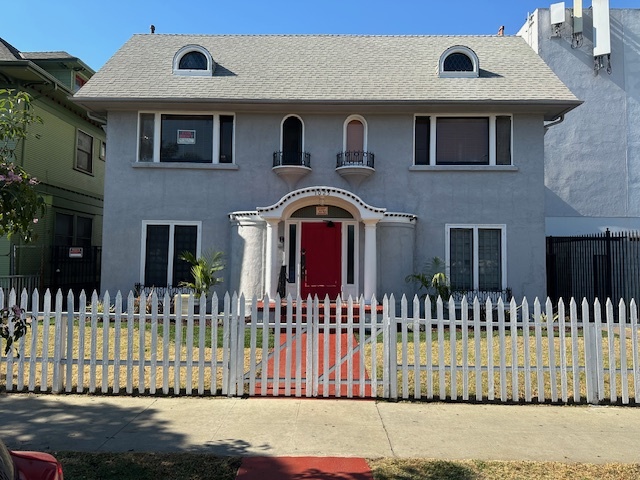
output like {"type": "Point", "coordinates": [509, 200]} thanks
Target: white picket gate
{"type": "Point", "coordinates": [295, 347]}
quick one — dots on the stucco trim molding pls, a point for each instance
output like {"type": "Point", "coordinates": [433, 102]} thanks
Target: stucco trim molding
{"type": "Point", "coordinates": [402, 218]}
{"type": "Point", "coordinates": [321, 195]}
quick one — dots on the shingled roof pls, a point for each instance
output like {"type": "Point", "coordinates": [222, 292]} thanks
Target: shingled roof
{"type": "Point", "coordinates": [326, 68]}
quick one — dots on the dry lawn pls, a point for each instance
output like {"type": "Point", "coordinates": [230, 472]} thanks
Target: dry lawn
{"type": "Point", "coordinates": [128, 343]}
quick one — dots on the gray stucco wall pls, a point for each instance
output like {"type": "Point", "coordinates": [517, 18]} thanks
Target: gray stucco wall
{"type": "Point", "coordinates": [515, 198]}
{"type": "Point", "coordinates": [592, 159]}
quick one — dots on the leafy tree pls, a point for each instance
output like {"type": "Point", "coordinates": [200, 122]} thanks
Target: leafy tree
{"type": "Point", "coordinates": [20, 204]}
{"type": "Point", "coordinates": [203, 270]}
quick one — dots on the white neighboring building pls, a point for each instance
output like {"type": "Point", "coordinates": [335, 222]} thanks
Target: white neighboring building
{"type": "Point", "coordinates": [592, 159]}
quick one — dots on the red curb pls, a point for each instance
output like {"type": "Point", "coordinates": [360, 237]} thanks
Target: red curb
{"type": "Point", "coordinates": [304, 468]}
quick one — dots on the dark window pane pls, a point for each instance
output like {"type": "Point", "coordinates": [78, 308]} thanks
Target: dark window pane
{"type": "Point", "coordinates": [291, 141]}
{"type": "Point", "coordinates": [462, 141]}
{"type": "Point", "coordinates": [84, 152]}
{"type": "Point", "coordinates": [461, 258]}
{"type": "Point", "coordinates": [226, 139]}
{"type": "Point", "coordinates": [84, 230]}
{"type": "Point", "coordinates": [187, 138]}
{"type": "Point", "coordinates": [458, 62]}
{"type": "Point", "coordinates": [489, 259]}
{"type": "Point", "coordinates": [503, 140]}
{"type": "Point", "coordinates": [63, 235]}
{"type": "Point", "coordinates": [145, 153]}
{"type": "Point", "coordinates": [351, 248]}
{"type": "Point", "coordinates": [422, 140]}
{"type": "Point", "coordinates": [193, 61]}
{"type": "Point", "coordinates": [292, 253]}
{"type": "Point", "coordinates": [185, 240]}
{"type": "Point", "coordinates": [156, 255]}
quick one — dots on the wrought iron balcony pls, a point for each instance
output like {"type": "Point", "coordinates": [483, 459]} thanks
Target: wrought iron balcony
{"type": "Point", "coordinates": [355, 166]}
{"type": "Point", "coordinates": [288, 158]}
{"type": "Point", "coordinates": [291, 166]}
{"type": "Point", "coordinates": [355, 159]}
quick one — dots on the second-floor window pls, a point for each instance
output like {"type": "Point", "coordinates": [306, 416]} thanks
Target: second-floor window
{"type": "Point", "coordinates": [84, 152]}
{"type": "Point", "coordinates": [186, 138]}
{"type": "Point", "coordinates": [462, 140]}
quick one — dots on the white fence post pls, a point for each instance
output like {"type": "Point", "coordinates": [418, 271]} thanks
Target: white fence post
{"type": "Point", "coordinates": [590, 357]}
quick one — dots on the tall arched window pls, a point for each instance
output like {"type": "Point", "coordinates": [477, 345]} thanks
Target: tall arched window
{"type": "Point", "coordinates": [292, 141]}
{"type": "Point", "coordinates": [355, 136]}
{"type": "Point", "coordinates": [354, 145]}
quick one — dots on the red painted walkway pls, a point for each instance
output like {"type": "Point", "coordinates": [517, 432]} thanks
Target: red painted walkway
{"type": "Point", "coordinates": [330, 371]}
{"type": "Point", "coordinates": [307, 468]}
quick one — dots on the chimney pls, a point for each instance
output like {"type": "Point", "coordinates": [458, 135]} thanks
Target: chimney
{"type": "Point", "coordinates": [501, 31]}
{"type": "Point", "coordinates": [153, 29]}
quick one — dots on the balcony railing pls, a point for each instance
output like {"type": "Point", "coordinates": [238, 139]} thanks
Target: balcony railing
{"type": "Point", "coordinates": [355, 159]}
{"type": "Point", "coordinates": [286, 158]}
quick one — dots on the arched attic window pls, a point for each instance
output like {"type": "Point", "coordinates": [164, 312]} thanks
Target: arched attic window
{"type": "Point", "coordinates": [193, 60]}
{"type": "Point", "coordinates": [459, 61]}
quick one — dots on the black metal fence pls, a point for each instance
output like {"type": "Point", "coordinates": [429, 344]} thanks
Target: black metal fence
{"type": "Point", "coordinates": [605, 265]}
{"type": "Point", "coordinates": [75, 269]}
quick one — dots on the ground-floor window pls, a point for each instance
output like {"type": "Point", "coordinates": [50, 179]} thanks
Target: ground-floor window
{"type": "Point", "coordinates": [72, 230]}
{"type": "Point", "coordinates": [163, 243]}
{"type": "Point", "coordinates": [476, 257]}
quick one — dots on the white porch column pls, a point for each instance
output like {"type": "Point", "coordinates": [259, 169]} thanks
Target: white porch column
{"type": "Point", "coordinates": [370, 259]}
{"type": "Point", "coordinates": [271, 261]}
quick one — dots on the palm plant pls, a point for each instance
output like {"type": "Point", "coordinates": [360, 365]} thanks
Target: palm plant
{"type": "Point", "coordinates": [203, 270]}
{"type": "Point", "coordinates": [433, 280]}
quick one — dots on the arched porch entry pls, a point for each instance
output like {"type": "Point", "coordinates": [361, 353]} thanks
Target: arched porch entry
{"type": "Point", "coordinates": [313, 238]}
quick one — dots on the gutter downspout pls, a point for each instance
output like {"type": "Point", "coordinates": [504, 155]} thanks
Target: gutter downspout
{"type": "Point", "coordinates": [553, 123]}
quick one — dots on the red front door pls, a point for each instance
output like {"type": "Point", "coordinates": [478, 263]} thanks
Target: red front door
{"type": "Point", "coordinates": [321, 259]}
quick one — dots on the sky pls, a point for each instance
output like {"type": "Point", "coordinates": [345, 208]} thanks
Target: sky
{"type": "Point", "coordinates": [93, 31]}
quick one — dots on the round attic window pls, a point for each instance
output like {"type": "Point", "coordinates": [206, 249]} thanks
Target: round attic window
{"type": "Point", "coordinates": [459, 61]}
{"type": "Point", "coordinates": [193, 60]}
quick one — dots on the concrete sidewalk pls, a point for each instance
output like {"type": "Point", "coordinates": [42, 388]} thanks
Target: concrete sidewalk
{"type": "Point", "coordinates": [303, 427]}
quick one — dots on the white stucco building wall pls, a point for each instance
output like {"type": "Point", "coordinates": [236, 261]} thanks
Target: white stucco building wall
{"type": "Point", "coordinates": [592, 158]}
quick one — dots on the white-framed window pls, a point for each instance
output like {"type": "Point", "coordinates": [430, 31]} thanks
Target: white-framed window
{"type": "Point", "coordinates": [476, 257]}
{"type": "Point", "coordinates": [84, 152]}
{"type": "Point", "coordinates": [162, 244]}
{"type": "Point", "coordinates": [193, 60]}
{"type": "Point", "coordinates": [459, 61]}
{"type": "Point", "coordinates": [355, 134]}
{"type": "Point", "coordinates": [463, 140]}
{"type": "Point", "coordinates": [292, 142]}
{"type": "Point", "coordinates": [186, 137]}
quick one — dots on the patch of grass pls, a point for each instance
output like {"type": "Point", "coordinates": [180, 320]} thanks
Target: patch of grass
{"type": "Point", "coordinates": [420, 469]}
{"type": "Point", "coordinates": [147, 466]}
{"type": "Point", "coordinates": [199, 466]}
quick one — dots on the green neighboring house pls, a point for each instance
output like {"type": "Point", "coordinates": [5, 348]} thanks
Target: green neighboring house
{"type": "Point", "coordinates": [66, 153]}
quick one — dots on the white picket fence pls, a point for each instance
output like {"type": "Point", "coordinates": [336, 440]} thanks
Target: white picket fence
{"type": "Point", "coordinates": [395, 350]}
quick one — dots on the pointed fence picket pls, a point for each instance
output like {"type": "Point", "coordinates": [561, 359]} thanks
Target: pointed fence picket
{"type": "Point", "coordinates": [433, 349]}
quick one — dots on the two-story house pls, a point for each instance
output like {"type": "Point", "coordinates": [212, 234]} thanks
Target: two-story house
{"type": "Point", "coordinates": [340, 164]}
{"type": "Point", "coordinates": [66, 153]}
